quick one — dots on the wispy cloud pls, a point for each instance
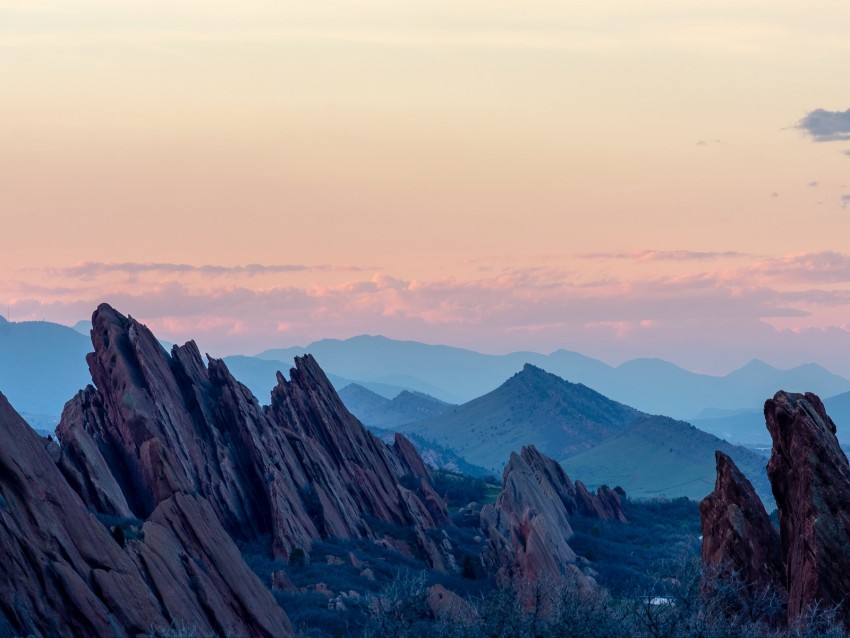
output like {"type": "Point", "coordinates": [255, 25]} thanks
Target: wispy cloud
{"type": "Point", "coordinates": [92, 269]}
{"type": "Point", "coordinates": [826, 126]}
{"type": "Point", "coordinates": [662, 255]}
{"type": "Point", "coordinates": [540, 307]}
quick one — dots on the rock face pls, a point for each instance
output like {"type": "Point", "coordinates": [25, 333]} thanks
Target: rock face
{"type": "Point", "coordinates": [157, 424]}
{"type": "Point", "coordinates": [575, 497]}
{"type": "Point", "coordinates": [528, 529]}
{"type": "Point", "coordinates": [810, 477]}
{"type": "Point", "coordinates": [739, 540]}
{"type": "Point", "coordinates": [65, 575]}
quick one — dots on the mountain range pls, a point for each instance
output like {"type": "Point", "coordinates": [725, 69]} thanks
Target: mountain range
{"type": "Point", "coordinates": [31, 352]}
{"type": "Point", "coordinates": [601, 440]}
{"type": "Point", "coordinates": [456, 375]}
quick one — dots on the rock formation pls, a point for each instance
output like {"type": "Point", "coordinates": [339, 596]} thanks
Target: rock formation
{"type": "Point", "coordinates": [129, 525]}
{"type": "Point", "coordinates": [810, 477]}
{"type": "Point", "coordinates": [739, 540]}
{"type": "Point", "coordinates": [528, 529]}
{"type": "Point", "coordinates": [575, 497]}
{"type": "Point", "coordinates": [64, 574]}
{"type": "Point", "coordinates": [156, 424]}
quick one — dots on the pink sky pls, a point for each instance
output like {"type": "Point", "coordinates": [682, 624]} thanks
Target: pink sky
{"type": "Point", "coordinates": [621, 180]}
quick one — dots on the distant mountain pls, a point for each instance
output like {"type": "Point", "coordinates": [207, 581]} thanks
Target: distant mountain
{"type": "Point", "coordinates": [407, 407]}
{"type": "Point", "coordinates": [533, 406]}
{"type": "Point", "coordinates": [594, 437]}
{"type": "Point", "coordinates": [650, 385]}
{"type": "Point", "coordinates": [42, 365]}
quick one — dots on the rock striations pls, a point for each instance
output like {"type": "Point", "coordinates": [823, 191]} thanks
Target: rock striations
{"type": "Point", "coordinates": [739, 540]}
{"type": "Point", "coordinates": [810, 478]}
{"type": "Point", "coordinates": [528, 529]}
{"type": "Point", "coordinates": [65, 575]}
{"type": "Point", "coordinates": [298, 471]}
{"type": "Point", "coordinates": [182, 461]}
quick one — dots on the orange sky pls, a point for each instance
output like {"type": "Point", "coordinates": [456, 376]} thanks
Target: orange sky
{"type": "Point", "coordinates": [620, 178]}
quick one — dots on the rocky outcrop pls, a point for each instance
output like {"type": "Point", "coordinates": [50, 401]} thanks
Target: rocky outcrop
{"type": "Point", "coordinates": [739, 541]}
{"type": "Point", "coordinates": [64, 574]}
{"type": "Point", "coordinates": [155, 425]}
{"type": "Point", "coordinates": [604, 504]}
{"type": "Point", "coordinates": [528, 528]}
{"type": "Point", "coordinates": [810, 477]}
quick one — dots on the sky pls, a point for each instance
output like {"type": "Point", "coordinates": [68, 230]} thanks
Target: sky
{"type": "Point", "coordinates": [656, 178]}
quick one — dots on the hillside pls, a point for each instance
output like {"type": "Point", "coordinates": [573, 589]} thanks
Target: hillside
{"type": "Point", "coordinates": [533, 406]}
{"type": "Point", "coordinates": [601, 440]}
{"type": "Point", "coordinates": [658, 456]}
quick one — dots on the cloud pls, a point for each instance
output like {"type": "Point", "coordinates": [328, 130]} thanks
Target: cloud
{"type": "Point", "coordinates": [826, 126]}
{"type": "Point", "coordinates": [826, 267]}
{"type": "Point", "coordinates": [813, 184]}
{"type": "Point", "coordinates": [845, 199]}
{"type": "Point", "coordinates": [92, 269]}
{"type": "Point", "coordinates": [661, 255]}
{"type": "Point", "coordinates": [512, 308]}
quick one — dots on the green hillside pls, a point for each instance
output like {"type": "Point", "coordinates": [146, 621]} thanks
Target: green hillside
{"type": "Point", "coordinates": [596, 439]}
{"type": "Point", "coordinates": [658, 457]}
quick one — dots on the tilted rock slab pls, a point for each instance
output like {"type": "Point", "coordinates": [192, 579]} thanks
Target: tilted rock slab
{"type": "Point", "coordinates": [156, 424]}
{"type": "Point", "coordinates": [810, 477]}
{"type": "Point", "coordinates": [63, 574]}
{"type": "Point", "coordinates": [528, 529]}
{"type": "Point", "coordinates": [739, 540]}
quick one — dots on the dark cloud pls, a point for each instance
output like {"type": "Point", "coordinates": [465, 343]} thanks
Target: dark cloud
{"type": "Point", "coordinates": [845, 199]}
{"type": "Point", "coordinates": [826, 126]}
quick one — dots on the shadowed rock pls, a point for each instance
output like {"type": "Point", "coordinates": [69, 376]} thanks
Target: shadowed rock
{"type": "Point", "coordinates": [65, 575]}
{"type": "Point", "coordinates": [739, 541]}
{"type": "Point", "coordinates": [810, 477]}
{"type": "Point", "coordinates": [157, 424]}
{"type": "Point", "coordinates": [575, 497]}
{"type": "Point", "coordinates": [528, 529]}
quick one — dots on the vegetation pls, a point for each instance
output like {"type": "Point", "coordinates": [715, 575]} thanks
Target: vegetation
{"type": "Point", "coordinates": [660, 534]}
{"type": "Point", "coordinates": [648, 571]}
{"type": "Point", "coordinates": [459, 490]}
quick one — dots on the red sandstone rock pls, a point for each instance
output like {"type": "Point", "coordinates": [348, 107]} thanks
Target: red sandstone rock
{"type": "Point", "coordinates": [165, 438]}
{"type": "Point", "coordinates": [527, 530]}
{"type": "Point", "coordinates": [65, 575]}
{"type": "Point", "coordinates": [604, 505]}
{"type": "Point", "coordinates": [157, 425]}
{"type": "Point", "coordinates": [810, 477]}
{"type": "Point", "coordinates": [738, 538]}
